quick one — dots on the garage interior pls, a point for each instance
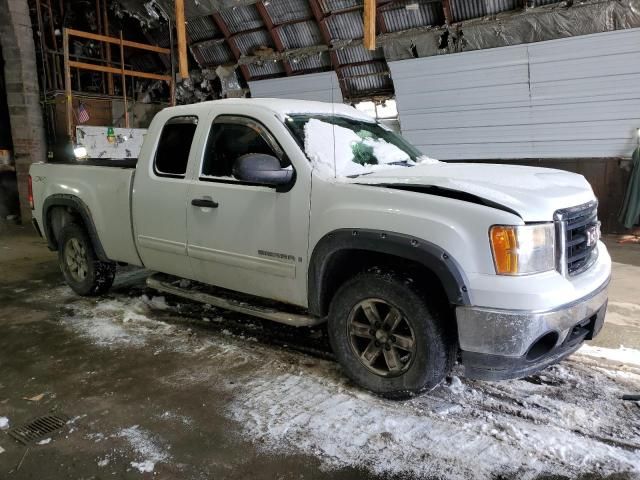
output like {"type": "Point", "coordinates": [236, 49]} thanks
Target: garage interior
{"type": "Point", "coordinates": [135, 384]}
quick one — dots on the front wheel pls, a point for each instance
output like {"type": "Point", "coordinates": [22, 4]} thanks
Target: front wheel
{"type": "Point", "coordinates": [82, 270]}
{"type": "Point", "coordinates": [386, 337]}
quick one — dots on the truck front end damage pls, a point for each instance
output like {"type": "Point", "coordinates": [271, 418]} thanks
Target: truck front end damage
{"type": "Point", "coordinates": [513, 342]}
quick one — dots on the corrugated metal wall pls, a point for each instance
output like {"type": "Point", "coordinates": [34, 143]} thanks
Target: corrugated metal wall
{"type": "Point", "coordinates": [577, 97]}
{"type": "Point", "coordinates": [322, 87]}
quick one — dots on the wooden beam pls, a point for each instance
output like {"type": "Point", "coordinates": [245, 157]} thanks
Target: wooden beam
{"type": "Point", "coordinates": [320, 19]}
{"type": "Point", "coordinates": [183, 61]}
{"type": "Point", "coordinates": [369, 20]}
{"type": "Point", "coordinates": [231, 42]}
{"type": "Point", "coordinates": [67, 83]}
{"type": "Point", "coordinates": [124, 84]}
{"type": "Point", "coordinates": [110, 88]}
{"type": "Point", "coordinates": [126, 43]}
{"type": "Point", "coordinates": [118, 71]}
{"type": "Point", "coordinates": [446, 8]}
{"type": "Point", "coordinates": [274, 33]}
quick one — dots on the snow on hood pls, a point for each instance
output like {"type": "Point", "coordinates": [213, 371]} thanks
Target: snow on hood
{"type": "Point", "coordinates": [535, 193]}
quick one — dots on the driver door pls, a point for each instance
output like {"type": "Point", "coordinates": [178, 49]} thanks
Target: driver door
{"type": "Point", "coordinates": [245, 236]}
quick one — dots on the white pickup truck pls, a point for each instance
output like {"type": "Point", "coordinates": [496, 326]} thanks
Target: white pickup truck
{"type": "Point", "coordinates": [306, 212]}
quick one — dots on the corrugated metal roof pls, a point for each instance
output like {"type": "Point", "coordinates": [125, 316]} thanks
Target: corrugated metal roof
{"type": "Point", "coordinates": [282, 11]}
{"type": "Point", "coordinates": [201, 28]}
{"type": "Point", "coordinates": [299, 35]}
{"type": "Point", "coordinates": [266, 68]}
{"type": "Point", "coordinates": [367, 79]}
{"type": "Point", "coordinates": [345, 26]}
{"type": "Point", "coordinates": [412, 13]}
{"type": "Point", "coordinates": [466, 9]}
{"type": "Point", "coordinates": [497, 6]}
{"type": "Point", "coordinates": [357, 54]}
{"type": "Point", "coordinates": [248, 42]}
{"type": "Point", "coordinates": [241, 18]}
{"type": "Point", "coordinates": [312, 62]}
{"type": "Point", "coordinates": [329, 6]}
{"type": "Point", "coordinates": [212, 52]}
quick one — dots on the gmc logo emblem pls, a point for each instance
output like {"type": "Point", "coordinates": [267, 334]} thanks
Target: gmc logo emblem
{"type": "Point", "coordinates": [593, 234]}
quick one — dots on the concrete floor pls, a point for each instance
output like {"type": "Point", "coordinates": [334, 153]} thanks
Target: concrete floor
{"type": "Point", "coordinates": [166, 390]}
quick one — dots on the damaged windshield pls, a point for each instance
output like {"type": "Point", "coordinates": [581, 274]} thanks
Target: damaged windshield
{"type": "Point", "coordinates": [343, 146]}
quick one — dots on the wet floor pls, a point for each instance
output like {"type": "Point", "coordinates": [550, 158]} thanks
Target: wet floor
{"type": "Point", "coordinates": [157, 388]}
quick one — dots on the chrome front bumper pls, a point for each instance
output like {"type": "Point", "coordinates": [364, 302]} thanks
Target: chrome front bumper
{"type": "Point", "coordinates": [499, 344]}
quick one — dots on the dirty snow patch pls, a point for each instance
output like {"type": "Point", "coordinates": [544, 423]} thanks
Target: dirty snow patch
{"type": "Point", "coordinates": [148, 451]}
{"type": "Point", "coordinates": [466, 429]}
{"type": "Point", "coordinates": [4, 423]}
{"type": "Point", "coordinates": [624, 355]}
{"type": "Point", "coordinates": [45, 441]}
{"type": "Point", "coordinates": [117, 322]}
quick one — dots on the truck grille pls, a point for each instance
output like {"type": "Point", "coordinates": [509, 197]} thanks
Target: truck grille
{"type": "Point", "coordinates": [578, 232]}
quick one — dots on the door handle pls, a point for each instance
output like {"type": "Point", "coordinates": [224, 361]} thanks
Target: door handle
{"type": "Point", "coordinates": [204, 202]}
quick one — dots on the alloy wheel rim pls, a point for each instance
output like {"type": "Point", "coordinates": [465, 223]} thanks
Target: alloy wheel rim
{"type": "Point", "coordinates": [381, 337]}
{"type": "Point", "coordinates": [76, 259]}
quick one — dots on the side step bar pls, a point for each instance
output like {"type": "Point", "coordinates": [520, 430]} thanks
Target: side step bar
{"type": "Point", "coordinates": [163, 283]}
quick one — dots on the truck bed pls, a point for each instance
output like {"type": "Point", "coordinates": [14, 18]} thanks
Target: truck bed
{"type": "Point", "coordinates": [105, 190]}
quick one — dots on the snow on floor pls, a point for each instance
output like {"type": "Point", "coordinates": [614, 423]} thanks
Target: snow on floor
{"type": "Point", "coordinates": [568, 420]}
{"type": "Point", "coordinates": [479, 431]}
{"type": "Point", "coordinates": [148, 451]}
{"type": "Point", "coordinates": [624, 355]}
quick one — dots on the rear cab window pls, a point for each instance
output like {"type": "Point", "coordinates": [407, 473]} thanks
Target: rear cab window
{"type": "Point", "coordinates": [174, 145]}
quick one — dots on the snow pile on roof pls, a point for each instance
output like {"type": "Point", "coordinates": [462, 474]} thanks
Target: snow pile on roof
{"type": "Point", "coordinates": [149, 452]}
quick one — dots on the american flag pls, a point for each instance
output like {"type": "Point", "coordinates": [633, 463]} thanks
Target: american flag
{"type": "Point", "coordinates": [83, 114]}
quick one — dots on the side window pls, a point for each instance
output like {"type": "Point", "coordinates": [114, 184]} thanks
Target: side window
{"type": "Point", "coordinates": [174, 145]}
{"type": "Point", "coordinates": [230, 138]}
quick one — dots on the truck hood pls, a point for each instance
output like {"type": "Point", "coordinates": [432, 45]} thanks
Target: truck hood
{"type": "Point", "coordinates": [531, 192]}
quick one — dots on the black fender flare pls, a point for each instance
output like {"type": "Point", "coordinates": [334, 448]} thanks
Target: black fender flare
{"type": "Point", "coordinates": [431, 256]}
{"type": "Point", "coordinates": [76, 204]}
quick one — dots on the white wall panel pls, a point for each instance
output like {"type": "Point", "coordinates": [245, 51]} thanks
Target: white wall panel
{"type": "Point", "coordinates": [573, 97]}
{"type": "Point", "coordinates": [322, 87]}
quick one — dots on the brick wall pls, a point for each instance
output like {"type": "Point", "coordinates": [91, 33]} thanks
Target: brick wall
{"type": "Point", "coordinates": [23, 97]}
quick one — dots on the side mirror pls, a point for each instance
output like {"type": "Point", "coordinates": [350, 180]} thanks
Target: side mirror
{"type": "Point", "coordinates": [261, 168]}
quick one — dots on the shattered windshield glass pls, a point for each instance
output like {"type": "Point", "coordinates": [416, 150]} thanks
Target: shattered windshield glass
{"type": "Point", "coordinates": [342, 146]}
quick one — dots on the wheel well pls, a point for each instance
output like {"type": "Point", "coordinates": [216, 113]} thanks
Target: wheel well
{"type": "Point", "coordinates": [57, 217]}
{"type": "Point", "coordinates": [60, 210]}
{"type": "Point", "coordinates": [344, 264]}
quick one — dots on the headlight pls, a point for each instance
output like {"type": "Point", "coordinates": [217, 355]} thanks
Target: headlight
{"type": "Point", "coordinates": [523, 250]}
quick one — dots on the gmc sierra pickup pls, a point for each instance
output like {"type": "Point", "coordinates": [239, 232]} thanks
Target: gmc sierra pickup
{"type": "Point", "coordinates": [305, 212]}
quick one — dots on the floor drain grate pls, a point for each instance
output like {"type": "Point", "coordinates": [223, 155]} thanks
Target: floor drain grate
{"type": "Point", "coordinates": [38, 428]}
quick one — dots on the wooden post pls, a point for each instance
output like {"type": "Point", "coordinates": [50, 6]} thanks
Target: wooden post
{"type": "Point", "coordinates": [105, 23]}
{"type": "Point", "coordinates": [67, 83]}
{"type": "Point", "coordinates": [369, 24]}
{"type": "Point", "coordinates": [183, 62]}
{"type": "Point", "coordinates": [124, 83]}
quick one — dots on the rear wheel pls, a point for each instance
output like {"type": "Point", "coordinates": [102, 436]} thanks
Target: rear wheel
{"type": "Point", "coordinates": [386, 336]}
{"type": "Point", "coordinates": [82, 269]}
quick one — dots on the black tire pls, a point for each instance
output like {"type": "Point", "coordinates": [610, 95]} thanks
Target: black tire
{"type": "Point", "coordinates": [414, 371]}
{"type": "Point", "coordinates": [83, 272]}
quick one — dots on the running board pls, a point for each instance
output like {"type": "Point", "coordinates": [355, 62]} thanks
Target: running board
{"type": "Point", "coordinates": [234, 301]}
